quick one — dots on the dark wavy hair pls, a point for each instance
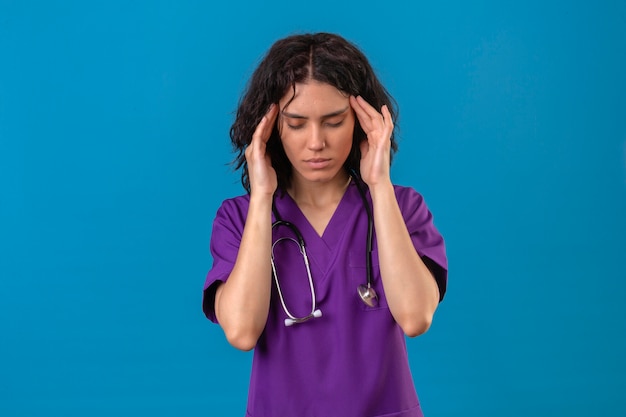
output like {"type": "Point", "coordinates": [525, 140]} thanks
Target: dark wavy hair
{"type": "Point", "coordinates": [322, 57]}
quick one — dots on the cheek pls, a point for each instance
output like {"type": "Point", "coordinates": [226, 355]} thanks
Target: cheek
{"type": "Point", "coordinates": [346, 136]}
{"type": "Point", "coordinates": [289, 143]}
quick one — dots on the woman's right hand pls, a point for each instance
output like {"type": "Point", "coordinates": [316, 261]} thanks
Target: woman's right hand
{"type": "Point", "coordinates": [242, 302]}
{"type": "Point", "coordinates": [262, 176]}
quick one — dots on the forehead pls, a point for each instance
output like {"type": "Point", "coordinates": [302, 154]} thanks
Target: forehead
{"type": "Point", "coordinates": [313, 98]}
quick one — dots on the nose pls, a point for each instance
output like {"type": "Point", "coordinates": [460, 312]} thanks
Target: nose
{"type": "Point", "coordinates": [316, 141]}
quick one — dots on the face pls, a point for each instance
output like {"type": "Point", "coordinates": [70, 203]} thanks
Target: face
{"type": "Point", "coordinates": [316, 129]}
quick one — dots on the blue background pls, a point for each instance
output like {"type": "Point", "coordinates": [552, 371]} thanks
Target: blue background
{"type": "Point", "coordinates": [114, 155]}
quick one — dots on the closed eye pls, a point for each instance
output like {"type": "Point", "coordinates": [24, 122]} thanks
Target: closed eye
{"type": "Point", "coordinates": [337, 124]}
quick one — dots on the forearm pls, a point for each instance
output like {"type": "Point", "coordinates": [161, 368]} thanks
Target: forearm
{"type": "Point", "coordinates": [242, 302]}
{"type": "Point", "coordinates": [410, 288]}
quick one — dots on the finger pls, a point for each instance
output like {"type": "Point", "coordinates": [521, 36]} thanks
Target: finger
{"type": "Point", "coordinates": [371, 119]}
{"type": "Point", "coordinates": [364, 119]}
{"type": "Point", "coordinates": [272, 113]}
{"type": "Point", "coordinates": [264, 129]}
{"type": "Point", "coordinates": [368, 108]}
{"type": "Point", "coordinates": [270, 119]}
{"type": "Point", "coordinates": [387, 118]}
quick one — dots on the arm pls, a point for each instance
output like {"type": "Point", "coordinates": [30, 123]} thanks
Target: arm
{"type": "Point", "coordinates": [242, 301]}
{"type": "Point", "coordinates": [411, 290]}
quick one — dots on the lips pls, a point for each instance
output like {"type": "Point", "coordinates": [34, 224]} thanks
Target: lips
{"type": "Point", "coordinates": [317, 163]}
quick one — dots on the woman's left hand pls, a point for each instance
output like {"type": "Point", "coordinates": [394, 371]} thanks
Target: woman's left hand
{"type": "Point", "coordinates": [376, 150]}
{"type": "Point", "coordinates": [410, 289]}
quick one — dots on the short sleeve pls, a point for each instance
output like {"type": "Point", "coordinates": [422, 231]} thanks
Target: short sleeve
{"type": "Point", "coordinates": [225, 241]}
{"type": "Point", "coordinates": [426, 238]}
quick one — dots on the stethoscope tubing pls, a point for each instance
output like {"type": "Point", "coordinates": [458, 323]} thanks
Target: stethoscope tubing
{"type": "Point", "coordinates": [370, 229]}
{"type": "Point", "coordinates": [300, 242]}
{"type": "Point", "coordinates": [367, 294]}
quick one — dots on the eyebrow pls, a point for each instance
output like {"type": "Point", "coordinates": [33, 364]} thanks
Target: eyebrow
{"type": "Point", "coordinates": [326, 116]}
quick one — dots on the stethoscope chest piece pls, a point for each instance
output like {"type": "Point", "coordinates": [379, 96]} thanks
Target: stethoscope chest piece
{"type": "Point", "coordinates": [368, 295]}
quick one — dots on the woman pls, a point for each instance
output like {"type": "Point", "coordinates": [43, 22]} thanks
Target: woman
{"type": "Point", "coordinates": [314, 132]}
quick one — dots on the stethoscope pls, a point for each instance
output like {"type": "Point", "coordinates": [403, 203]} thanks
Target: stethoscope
{"type": "Point", "coordinates": [366, 292]}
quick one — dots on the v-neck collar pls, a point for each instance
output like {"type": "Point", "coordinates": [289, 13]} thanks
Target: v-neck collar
{"type": "Point", "coordinates": [334, 229]}
{"type": "Point", "coordinates": [322, 249]}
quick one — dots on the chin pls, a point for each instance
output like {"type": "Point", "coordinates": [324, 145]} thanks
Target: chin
{"type": "Point", "coordinates": [320, 176]}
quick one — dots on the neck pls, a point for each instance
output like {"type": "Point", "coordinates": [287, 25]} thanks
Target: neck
{"type": "Point", "coordinates": [319, 194]}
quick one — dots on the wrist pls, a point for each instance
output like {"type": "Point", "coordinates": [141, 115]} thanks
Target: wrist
{"type": "Point", "coordinates": [261, 200]}
{"type": "Point", "coordinates": [381, 189]}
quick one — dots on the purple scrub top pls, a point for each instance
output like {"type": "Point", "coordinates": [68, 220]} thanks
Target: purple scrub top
{"type": "Point", "coordinates": [352, 361]}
